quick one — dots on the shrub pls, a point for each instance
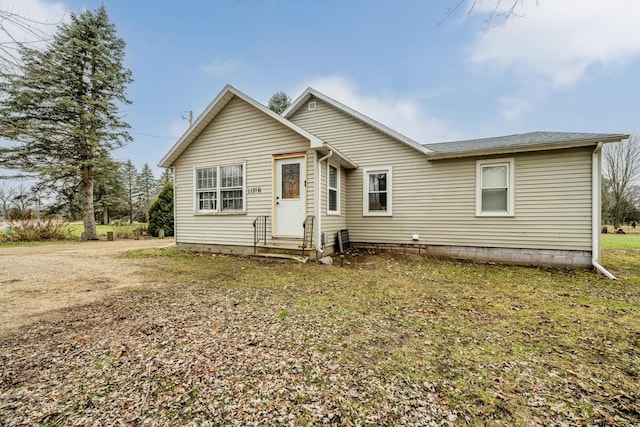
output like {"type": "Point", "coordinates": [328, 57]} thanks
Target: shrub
{"type": "Point", "coordinates": [161, 212]}
{"type": "Point", "coordinates": [36, 229]}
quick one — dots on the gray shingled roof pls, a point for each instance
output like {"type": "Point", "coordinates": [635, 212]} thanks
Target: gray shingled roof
{"type": "Point", "coordinates": [524, 140]}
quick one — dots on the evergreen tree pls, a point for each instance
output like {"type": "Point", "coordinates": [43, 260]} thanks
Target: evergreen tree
{"type": "Point", "coordinates": [161, 212]}
{"type": "Point", "coordinates": [279, 102]}
{"type": "Point", "coordinates": [129, 181]}
{"type": "Point", "coordinates": [109, 196]}
{"type": "Point", "coordinates": [167, 176]}
{"type": "Point", "coordinates": [147, 188]}
{"type": "Point", "coordinates": [61, 111]}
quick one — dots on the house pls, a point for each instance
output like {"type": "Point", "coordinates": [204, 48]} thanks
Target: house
{"type": "Point", "coordinates": [248, 178]}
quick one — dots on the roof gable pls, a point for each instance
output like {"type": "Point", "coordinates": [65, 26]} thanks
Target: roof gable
{"type": "Point", "coordinates": [309, 92]}
{"type": "Point", "coordinates": [210, 113]}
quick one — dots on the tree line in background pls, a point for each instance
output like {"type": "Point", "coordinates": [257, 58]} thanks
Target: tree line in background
{"type": "Point", "coordinates": [621, 182]}
{"type": "Point", "coordinates": [120, 192]}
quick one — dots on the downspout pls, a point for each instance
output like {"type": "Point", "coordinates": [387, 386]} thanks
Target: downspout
{"type": "Point", "coordinates": [319, 199]}
{"type": "Point", "coordinates": [596, 188]}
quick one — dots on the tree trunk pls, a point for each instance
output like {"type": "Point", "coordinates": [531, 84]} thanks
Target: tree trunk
{"type": "Point", "coordinates": [88, 214]}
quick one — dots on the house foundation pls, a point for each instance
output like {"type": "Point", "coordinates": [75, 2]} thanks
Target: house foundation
{"type": "Point", "coordinates": [518, 256]}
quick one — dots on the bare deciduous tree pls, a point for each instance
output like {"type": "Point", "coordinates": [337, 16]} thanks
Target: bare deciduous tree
{"type": "Point", "coordinates": [501, 10]}
{"type": "Point", "coordinates": [621, 164]}
{"type": "Point", "coordinates": [7, 194]}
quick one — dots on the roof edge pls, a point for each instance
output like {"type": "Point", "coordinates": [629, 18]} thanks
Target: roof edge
{"type": "Point", "coordinates": [209, 114]}
{"type": "Point", "coordinates": [527, 148]}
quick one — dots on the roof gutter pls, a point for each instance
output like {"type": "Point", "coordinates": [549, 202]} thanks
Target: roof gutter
{"type": "Point", "coordinates": [596, 190]}
{"type": "Point", "coordinates": [514, 149]}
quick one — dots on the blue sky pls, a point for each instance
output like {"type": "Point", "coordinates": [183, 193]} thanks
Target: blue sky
{"type": "Point", "coordinates": [571, 65]}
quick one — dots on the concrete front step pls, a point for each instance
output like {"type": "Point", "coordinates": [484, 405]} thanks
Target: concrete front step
{"type": "Point", "coordinates": [272, 255]}
{"type": "Point", "coordinates": [286, 250]}
{"type": "Point", "coordinates": [283, 241]}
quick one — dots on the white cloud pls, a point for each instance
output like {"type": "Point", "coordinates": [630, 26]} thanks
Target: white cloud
{"type": "Point", "coordinates": [43, 17]}
{"type": "Point", "coordinates": [514, 107]}
{"type": "Point", "coordinates": [223, 67]}
{"type": "Point", "coordinates": [400, 113]}
{"type": "Point", "coordinates": [557, 41]}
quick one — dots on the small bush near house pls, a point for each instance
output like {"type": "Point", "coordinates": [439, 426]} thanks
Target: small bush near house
{"type": "Point", "coordinates": [161, 212]}
{"type": "Point", "coordinates": [126, 231]}
{"type": "Point", "coordinates": [35, 229]}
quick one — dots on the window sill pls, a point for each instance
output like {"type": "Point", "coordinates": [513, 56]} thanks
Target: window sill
{"type": "Point", "coordinates": [383, 214]}
{"type": "Point", "coordinates": [333, 213]}
{"type": "Point", "coordinates": [495, 215]}
{"type": "Point", "coordinates": [219, 213]}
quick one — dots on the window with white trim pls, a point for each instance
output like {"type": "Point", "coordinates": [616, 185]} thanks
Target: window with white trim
{"type": "Point", "coordinates": [378, 194]}
{"type": "Point", "coordinates": [206, 189]}
{"type": "Point", "coordinates": [220, 188]}
{"type": "Point", "coordinates": [494, 187]}
{"type": "Point", "coordinates": [333, 189]}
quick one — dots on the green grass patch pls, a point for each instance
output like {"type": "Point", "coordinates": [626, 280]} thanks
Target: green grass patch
{"type": "Point", "coordinates": [121, 231]}
{"type": "Point", "coordinates": [621, 254]}
{"type": "Point", "coordinates": [503, 345]}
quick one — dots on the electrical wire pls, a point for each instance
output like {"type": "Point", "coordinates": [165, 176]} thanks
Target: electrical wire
{"type": "Point", "coordinates": [153, 136]}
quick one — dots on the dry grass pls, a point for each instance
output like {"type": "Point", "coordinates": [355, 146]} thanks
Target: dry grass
{"type": "Point", "coordinates": [395, 340]}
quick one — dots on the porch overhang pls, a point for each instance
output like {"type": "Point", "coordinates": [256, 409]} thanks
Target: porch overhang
{"type": "Point", "coordinates": [324, 149]}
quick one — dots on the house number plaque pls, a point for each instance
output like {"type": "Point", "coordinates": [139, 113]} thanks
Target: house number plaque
{"type": "Point", "coordinates": [254, 190]}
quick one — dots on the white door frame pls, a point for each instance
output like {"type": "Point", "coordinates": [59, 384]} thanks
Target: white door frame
{"type": "Point", "coordinates": [288, 214]}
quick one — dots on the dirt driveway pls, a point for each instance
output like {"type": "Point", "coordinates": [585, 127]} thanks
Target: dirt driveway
{"type": "Point", "coordinates": [39, 279]}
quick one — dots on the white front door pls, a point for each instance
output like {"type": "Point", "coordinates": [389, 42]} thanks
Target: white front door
{"type": "Point", "coordinates": [289, 204]}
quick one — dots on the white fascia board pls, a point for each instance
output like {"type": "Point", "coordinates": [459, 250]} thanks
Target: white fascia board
{"type": "Point", "coordinates": [212, 111]}
{"type": "Point", "coordinates": [514, 149]}
{"type": "Point", "coordinates": [195, 129]}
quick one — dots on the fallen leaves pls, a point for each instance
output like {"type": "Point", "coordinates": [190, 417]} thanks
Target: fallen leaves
{"type": "Point", "coordinates": [173, 367]}
{"type": "Point", "coordinates": [388, 343]}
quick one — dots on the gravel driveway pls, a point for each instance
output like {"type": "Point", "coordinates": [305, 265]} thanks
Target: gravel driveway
{"type": "Point", "coordinates": [35, 280]}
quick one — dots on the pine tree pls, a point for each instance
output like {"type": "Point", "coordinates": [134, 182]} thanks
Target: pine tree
{"type": "Point", "coordinates": [129, 181]}
{"type": "Point", "coordinates": [161, 212]}
{"type": "Point", "coordinates": [167, 176]}
{"type": "Point", "coordinates": [279, 102]}
{"type": "Point", "coordinates": [109, 196]}
{"type": "Point", "coordinates": [61, 111]}
{"type": "Point", "coordinates": [147, 187]}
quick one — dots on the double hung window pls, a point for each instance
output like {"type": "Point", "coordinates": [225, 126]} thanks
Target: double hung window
{"type": "Point", "coordinates": [333, 189]}
{"type": "Point", "coordinates": [494, 188]}
{"type": "Point", "coordinates": [378, 192]}
{"type": "Point", "coordinates": [220, 188]}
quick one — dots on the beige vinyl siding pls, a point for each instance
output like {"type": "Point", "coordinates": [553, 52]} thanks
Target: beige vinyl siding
{"type": "Point", "coordinates": [238, 134]}
{"type": "Point", "coordinates": [311, 183]}
{"type": "Point", "coordinates": [552, 204]}
{"type": "Point", "coordinates": [332, 223]}
{"type": "Point", "coordinates": [436, 199]}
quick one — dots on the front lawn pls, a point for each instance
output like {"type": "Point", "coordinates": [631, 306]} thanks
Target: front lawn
{"type": "Point", "coordinates": [387, 340]}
